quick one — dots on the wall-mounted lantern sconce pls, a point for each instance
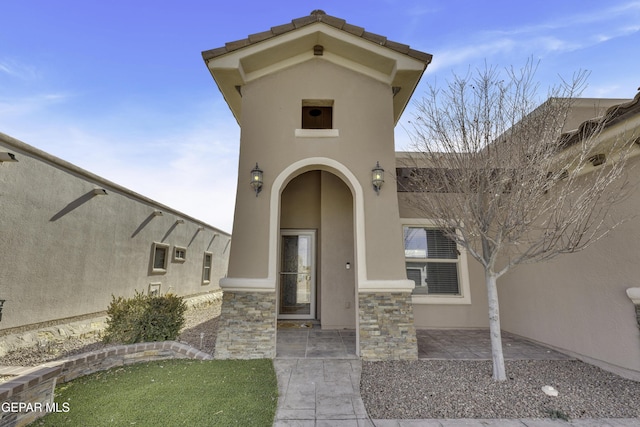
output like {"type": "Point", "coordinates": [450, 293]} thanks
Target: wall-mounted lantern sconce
{"type": "Point", "coordinates": [256, 179]}
{"type": "Point", "coordinates": [377, 177]}
{"type": "Point", "coordinates": [1, 304]}
{"type": "Point", "coordinates": [99, 191]}
{"type": "Point", "coordinates": [7, 157]}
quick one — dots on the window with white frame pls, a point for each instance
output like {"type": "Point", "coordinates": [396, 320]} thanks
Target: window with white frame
{"type": "Point", "coordinates": [206, 267]}
{"type": "Point", "coordinates": [160, 254]}
{"type": "Point", "coordinates": [435, 264]}
{"type": "Point", "coordinates": [179, 254]}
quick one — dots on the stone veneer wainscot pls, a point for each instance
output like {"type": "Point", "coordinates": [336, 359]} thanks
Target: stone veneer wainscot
{"type": "Point", "coordinates": [247, 326]}
{"type": "Point", "coordinates": [387, 331]}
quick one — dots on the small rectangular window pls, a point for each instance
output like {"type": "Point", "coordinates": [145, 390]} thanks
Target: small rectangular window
{"type": "Point", "coordinates": [317, 114]}
{"type": "Point", "coordinates": [179, 254]}
{"type": "Point", "coordinates": [160, 257]}
{"type": "Point", "coordinates": [206, 268]}
{"type": "Point", "coordinates": [317, 117]}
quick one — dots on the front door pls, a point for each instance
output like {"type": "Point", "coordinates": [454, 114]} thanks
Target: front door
{"type": "Point", "coordinates": [297, 274]}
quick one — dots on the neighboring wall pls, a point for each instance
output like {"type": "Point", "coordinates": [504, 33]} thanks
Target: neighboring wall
{"type": "Point", "coordinates": [65, 251]}
{"type": "Point", "coordinates": [578, 302]}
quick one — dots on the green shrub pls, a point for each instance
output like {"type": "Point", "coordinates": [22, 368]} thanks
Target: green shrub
{"type": "Point", "coordinates": [144, 318]}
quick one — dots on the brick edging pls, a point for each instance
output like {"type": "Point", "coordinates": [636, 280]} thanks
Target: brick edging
{"type": "Point", "coordinates": [36, 384]}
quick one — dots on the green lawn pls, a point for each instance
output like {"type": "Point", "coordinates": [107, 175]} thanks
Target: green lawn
{"type": "Point", "coordinates": [171, 393]}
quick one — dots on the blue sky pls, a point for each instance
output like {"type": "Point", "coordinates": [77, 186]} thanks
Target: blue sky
{"type": "Point", "coordinates": [119, 87]}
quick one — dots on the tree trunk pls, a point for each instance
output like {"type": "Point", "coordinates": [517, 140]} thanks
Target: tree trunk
{"type": "Point", "coordinates": [499, 373]}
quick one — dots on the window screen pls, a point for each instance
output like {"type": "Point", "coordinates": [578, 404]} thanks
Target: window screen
{"type": "Point", "coordinates": [431, 261]}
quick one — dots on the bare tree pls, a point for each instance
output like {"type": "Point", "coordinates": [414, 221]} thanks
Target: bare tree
{"type": "Point", "coordinates": [501, 178]}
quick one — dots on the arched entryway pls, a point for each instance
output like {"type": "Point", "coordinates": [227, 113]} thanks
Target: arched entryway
{"type": "Point", "coordinates": [316, 275]}
{"type": "Point", "coordinates": [316, 286]}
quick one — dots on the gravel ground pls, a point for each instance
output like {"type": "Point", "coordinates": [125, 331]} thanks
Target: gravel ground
{"type": "Point", "coordinates": [464, 389]}
{"type": "Point", "coordinates": [201, 326]}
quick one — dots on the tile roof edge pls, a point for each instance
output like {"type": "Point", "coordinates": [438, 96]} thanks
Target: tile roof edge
{"type": "Point", "coordinates": [315, 17]}
{"type": "Point", "coordinates": [611, 116]}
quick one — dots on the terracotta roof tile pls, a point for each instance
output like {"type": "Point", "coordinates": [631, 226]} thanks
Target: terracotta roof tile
{"type": "Point", "coordinates": [317, 16]}
{"type": "Point", "coordinates": [333, 21]}
{"type": "Point", "coordinates": [258, 37]}
{"type": "Point", "coordinates": [613, 115]}
{"type": "Point", "coordinates": [304, 21]}
{"type": "Point", "coordinates": [353, 29]}
{"type": "Point", "coordinates": [420, 56]}
{"type": "Point", "coordinates": [399, 47]}
{"type": "Point", "coordinates": [281, 29]}
{"type": "Point", "coordinates": [238, 44]}
{"type": "Point", "coordinates": [376, 38]}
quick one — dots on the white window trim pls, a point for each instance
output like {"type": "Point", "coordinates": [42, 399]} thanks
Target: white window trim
{"type": "Point", "coordinates": [204, 259]}
{"type": "Point", "coordinates": [317, 133]}
{"type": "Point", "coordinates": [463, 270]}
{"type": "Point", "coordinates": [175, 254]}
{"type": "Point", "coordinates": [155, 270]}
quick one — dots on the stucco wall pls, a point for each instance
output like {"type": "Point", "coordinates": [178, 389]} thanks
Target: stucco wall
{"type": "Point", "coordinates": [65, 251]}
{"type": "Point", "coordinates": [363, 116]}
{"type": "Point", "coordinates": [338, 309]}
{"type": "Point", "coordinates": [578, 302]}
{"type": "Point", "coordinates": [474, 315]}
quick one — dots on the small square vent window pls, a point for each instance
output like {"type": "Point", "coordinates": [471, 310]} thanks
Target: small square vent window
{"type": "Point", "coordinates": [317, 116]}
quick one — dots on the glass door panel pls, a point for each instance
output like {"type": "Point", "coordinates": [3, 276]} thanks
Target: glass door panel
{"type": "Point", "coordinates": [297, 275]}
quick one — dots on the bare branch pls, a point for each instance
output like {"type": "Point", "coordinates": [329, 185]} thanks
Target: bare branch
{"type": "Point", "coordinates": [493, 166]}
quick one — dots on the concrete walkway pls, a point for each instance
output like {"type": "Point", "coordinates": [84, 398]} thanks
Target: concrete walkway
{"type": "Point", "coordinates": [319, 392]}
{"type": "Point", "coordinates": [319, 386]}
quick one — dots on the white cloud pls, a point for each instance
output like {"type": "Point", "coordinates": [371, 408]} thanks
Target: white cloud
{"type": "Point", "coordinates": [16, 69]}
{"type": "Point", "coordinates": [199, 180]}
{"type": "Point", "coordinates": [557, 36]}
{"type": "Point", "coordinates": [469, 53]}
{"type": "Point", "coordinates": [13, 109]}
{"type": "Point", "coordinates": [614, 33]}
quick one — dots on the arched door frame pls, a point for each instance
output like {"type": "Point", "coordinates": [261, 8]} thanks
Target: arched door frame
{"type": "Point", "coordinates": [279, 184]}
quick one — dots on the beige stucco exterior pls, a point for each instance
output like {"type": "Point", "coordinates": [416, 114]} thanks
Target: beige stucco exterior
{"type": "Point", "coordinates": [319, 179]}
{"type": "Point", "coordinates": [269, 139]}
{"type": "Point", "coordinates": [578, 303]}
{"type": "Point", "coordinates": [69, 239]}
{"type": "Point", "coordinates": [67, 246]}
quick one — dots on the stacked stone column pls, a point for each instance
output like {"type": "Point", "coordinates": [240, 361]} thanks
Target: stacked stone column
{"type": "Point", "coordinates": [247, 326]}
{"type": "Point", "coordinates": [386, 327]}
